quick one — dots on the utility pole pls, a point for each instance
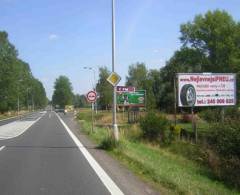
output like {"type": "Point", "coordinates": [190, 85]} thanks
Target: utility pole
{"type": "Point", "coordinates": [114, 108]}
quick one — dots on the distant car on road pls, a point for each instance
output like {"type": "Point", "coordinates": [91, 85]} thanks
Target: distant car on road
{"type": "Point", "coordinates": [60, 110]}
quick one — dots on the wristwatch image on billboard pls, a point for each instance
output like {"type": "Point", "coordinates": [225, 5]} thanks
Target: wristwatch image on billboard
{"type": "Point", "coordinates": [188, 95]}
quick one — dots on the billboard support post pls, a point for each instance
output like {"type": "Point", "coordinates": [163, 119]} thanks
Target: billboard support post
{"type": "Point", "coordinates": [175, 100]}
{"type": "Point", "coordinates": [194, 128]}
{"type": "Point", "coordinates": [223, 114]}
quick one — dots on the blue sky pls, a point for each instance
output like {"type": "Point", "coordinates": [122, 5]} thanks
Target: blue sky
{"type": "Point", "coordinates": [59, 37]}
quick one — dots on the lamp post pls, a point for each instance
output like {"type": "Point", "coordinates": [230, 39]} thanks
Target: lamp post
{"type": "Point", "coordinates": [95, 84]}
{"type": "Point", "coordinates": [18, 101]}
{"type": "Point", "coordinates": [28, 98]}
{"type": "Point", "coordinates": [114, 109]}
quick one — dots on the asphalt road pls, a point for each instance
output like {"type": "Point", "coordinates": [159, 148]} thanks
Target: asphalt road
{"type": "Point", "coordinates": [45, 160]}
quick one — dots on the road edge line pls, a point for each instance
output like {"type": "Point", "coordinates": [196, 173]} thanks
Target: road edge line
{"type": "Point", "coordinates": [104, 177]}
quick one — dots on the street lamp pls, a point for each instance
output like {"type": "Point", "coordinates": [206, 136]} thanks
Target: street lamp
{"type": "Point", "coordinates": [114, 109]}
{"type": "Point", "coordinates": [95, 83]}
{"type": "Point", "coordinates": [94, 76]}
{"type": "Point", "coordinates": [28, 98]}
{"type": "Point", "coordinates": [18, 101]}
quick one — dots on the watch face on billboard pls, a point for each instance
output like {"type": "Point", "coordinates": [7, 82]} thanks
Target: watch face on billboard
{"type": "Point", "coordinates": [198, 89]}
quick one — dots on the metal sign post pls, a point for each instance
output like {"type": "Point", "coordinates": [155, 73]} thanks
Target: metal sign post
{"type": "Point", "coordinates": [92, 118]}
{"type": "Point", "coordinates": [91, 97]}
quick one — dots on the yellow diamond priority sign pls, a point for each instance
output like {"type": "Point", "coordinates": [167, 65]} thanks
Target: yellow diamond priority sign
{"type": "Point", "coordinates": [113, 78]}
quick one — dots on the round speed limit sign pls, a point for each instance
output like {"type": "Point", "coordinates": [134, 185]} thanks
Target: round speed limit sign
{"type": "Point", "coordinates": [91, 96]}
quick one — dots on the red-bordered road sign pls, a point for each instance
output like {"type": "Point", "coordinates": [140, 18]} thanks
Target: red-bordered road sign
{"type": "Point", "coordinates": [91, 96]}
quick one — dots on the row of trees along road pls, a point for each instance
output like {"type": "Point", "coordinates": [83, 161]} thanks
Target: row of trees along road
{"type": "Point", "coordinates": [63, 92]}
{"type": "Point", "coordinates": [17, 81]}
{"type": "Point", "coordinates": [209, 43]}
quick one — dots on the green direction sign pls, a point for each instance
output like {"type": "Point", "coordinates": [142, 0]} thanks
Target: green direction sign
{"type": "Point", "coordinates": [137, 98]}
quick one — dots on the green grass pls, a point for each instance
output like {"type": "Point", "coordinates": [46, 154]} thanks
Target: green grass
{"type": "Point", "coordinates": [170, 169]}
{"type": "Point", "coordinates": [202, 127]}
{"type": "Point", "coordinates": [5, 116]}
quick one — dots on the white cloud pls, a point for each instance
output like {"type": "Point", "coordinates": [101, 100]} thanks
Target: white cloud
{"type": "Point", "coordinates": [156, 51]}
{"type": "Point", "coordinates": [53, 37]}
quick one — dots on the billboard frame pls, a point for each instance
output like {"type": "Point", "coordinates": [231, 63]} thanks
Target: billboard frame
{"type": "Point", "coordinates": [134, 105]}
{"type": "Point", "coordinates": [206, 74]}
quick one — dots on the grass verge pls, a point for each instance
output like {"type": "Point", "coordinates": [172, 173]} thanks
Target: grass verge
{"type": "Point", "coordinates": [165, 167]}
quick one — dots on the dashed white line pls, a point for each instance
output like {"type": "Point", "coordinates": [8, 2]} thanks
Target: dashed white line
{"type": "Point", "coordinates": [1, 148]}
{"type": "Point", "coordinates": [107, 181]}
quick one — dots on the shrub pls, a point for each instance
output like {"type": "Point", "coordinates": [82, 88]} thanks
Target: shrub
{"type": "Point", "coordinates": [155, 128]}
{"type": "Point", "coordinates": [230, 171]}
{"type": "Point", "coordinates": [211, 115]}
{"type": "Point", "coordinates": [232, 113]}
{"type": "Point", "coordinates": [225, 137]}
{"type": "Point", "coordinates": [176, 131]}
{"type": "Point", "coordinates": [109, 143]}
{"type": "Point", "coordinates": [225, 140]}
{"type": "Point", "coordinates": [214, 114]}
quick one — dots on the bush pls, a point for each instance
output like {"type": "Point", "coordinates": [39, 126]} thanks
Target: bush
{"type": "Point", "coordinates": [232, 113]}
{"type": "Point", "coordinates": [225, 137]}
{"type": "Point", "coordinates": [211, 115]}
{"type": "Point", "coordinates": [214, 114]}
{"type": "Point", "coordinates": [156, 128]}
{"type": "Point", "coordinates": [225, 140]}
{"type": "Point", "coordinates": [176, 131]}
{"type": "Point", "coordinates": [109, 144]}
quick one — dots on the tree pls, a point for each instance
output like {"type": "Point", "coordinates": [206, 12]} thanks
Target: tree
{"type": "Point", "coordinates": [37, 94]}
{"type": "Point", "coordinates": [104, 89]}
{"type": "Point", "coordinates": [8, 72]}
{"type": "Point", "coordinates": [138, 77]}
{"type": "Point", "coordinates": [210, 43]}
{"type": "Point", "coordinates": [217, 36]}
{"type": "Point", "coordinates": [15, 77]}
{"type": "Point", "coordinates": [62, 94]}
{"type": "Point", "coordinates": [80, 101]}
{"type": "Point", "coordinates": [183, 61]}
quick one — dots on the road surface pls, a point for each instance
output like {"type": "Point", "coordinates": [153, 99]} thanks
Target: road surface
{"type": "Point", "coordinates": [38, 156]}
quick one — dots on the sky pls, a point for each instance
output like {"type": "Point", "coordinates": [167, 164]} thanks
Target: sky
{"type": "Point", "coordinates": [59, 37]}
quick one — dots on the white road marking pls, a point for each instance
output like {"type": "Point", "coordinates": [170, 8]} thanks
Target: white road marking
{"type": "Point", "coordinates": [16, 128]}
{"type": "Point", "coordinates": [1, 148]}
{"type": "Point", "coordinates": [107, 181]}
{"type": "Point", "coordinates": [49, 115]}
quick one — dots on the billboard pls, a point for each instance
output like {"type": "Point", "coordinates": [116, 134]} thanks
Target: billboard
{"type": "Point", "coordinates": [137, 98]}
{"type": "Point", "coordinates": [125, 89]}
{"type": "Point", "coordinates": [206, 89]}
